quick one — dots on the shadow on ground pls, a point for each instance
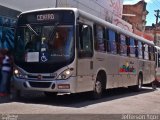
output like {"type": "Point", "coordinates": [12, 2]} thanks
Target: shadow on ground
{"type": "Point", "coordinates": [75, 100]}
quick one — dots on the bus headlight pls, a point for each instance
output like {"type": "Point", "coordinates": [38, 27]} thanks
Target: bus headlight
{"type": "Point", "coordinates": [65, 74]}
{"type": "Point", "coordinates": [17, 73]}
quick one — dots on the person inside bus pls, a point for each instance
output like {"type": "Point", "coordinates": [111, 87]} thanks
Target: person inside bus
{"type": "Point", "coordinates": [57, 44]}
{"type": "Point", "coordinates": [34, 44]}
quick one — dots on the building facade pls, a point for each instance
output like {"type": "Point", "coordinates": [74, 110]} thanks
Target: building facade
{"type": "Point", "coordinates": [136, 15]}
{"type": "Point", "coordinates": [154, 32]}
{"type": "Point", "coordinates": [139, 12]}
{"type": "Point", "coordinates": [109, 10]}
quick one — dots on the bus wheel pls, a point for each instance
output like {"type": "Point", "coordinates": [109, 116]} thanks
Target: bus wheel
{"type": "Point", "coordinates": [140, 83]}
{"type": "Point", "coordinates": [138, 87]}
{"type": "Point", "coordinates": [97, 92]}
{"type": "Point", "coordinates": [50, 94]}
{"type": "Point", "coordinates": [154, 85]}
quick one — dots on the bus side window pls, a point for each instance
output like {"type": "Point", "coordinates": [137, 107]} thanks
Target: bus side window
{"type": "Point", "coordinates": [99, 33]}
{"type": "Point", "coordinates": [151, 53]}
{"type": "Point", "coordinates": [140, 49]}
{"type": "Point", "coordinates": [158, 55]}
{"type": "Point", "coordinates": [112, 47]}
{"type": "Point", "coordinates": [128, 45]}
{"type": "Point", "coordinates": [136, 48]}
{"type": "Point", "coordinates": [106, 39]}
{"type": "Point", "coordinates": [123, 45]}
{"type": "Point", "coordinates": [132, 47]}
{"type": "Point", "coordinates": [143, 49]}
{"type": "Point", "coordinates": [85, 48]}
{"type": "Point", "coordinates": [146, 55]}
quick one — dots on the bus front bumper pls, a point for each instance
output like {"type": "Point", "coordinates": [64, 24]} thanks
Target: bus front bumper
{"type": "Point", "coordinates": [59, 86]}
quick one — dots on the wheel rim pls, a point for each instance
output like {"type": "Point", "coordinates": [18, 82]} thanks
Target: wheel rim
{"type": "Point", "coordinates": [98, 87]}
{"type": "Point", "coordinates": [140, 83]}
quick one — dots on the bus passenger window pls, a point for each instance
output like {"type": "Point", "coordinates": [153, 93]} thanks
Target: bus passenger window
{"type": "Point", "coordinates": [112, 47]}
{"type": "Point", "coordinates": [132, 47]}
{"type": "Point", "coordinates": [128, 46]}
{"type": "Point", "coordinates": [151, 53]}
{"type": "Point", "coordinates": [123, 45]}
{"type": "Point", "coordinates": [99, 38]}
{"type": "Point", "coordinates": [140, 49]}
{"type": "Point", "coordinates": [146, 55]}
{"type": "Point", "coordinates": [85, 48]}
{"type": "Point", "coordinates": [136, 48]}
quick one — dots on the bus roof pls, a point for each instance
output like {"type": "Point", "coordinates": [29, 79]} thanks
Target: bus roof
{"type": "Point", "coordinates": [157, 47]}
{"type": "Point", "coordinates": [48, 9]}
{"type": "Point", "coordinates": [97, 20]}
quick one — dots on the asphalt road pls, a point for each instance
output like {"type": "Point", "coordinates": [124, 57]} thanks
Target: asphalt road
{"type": "Point", "coordinates": [114, 104]}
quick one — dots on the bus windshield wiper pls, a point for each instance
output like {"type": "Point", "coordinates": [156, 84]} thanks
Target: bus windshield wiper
{"type": "Point", "coordinates": [30, 28]}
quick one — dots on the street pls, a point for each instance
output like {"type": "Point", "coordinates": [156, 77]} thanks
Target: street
{"type": "Point", "coordinates": [116, 101]}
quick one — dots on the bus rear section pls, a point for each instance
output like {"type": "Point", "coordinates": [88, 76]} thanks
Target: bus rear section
{"type": "Point", "coordinates": [157, 65]}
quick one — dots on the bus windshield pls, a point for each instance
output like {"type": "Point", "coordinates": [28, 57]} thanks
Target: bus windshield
{"type": "Point", "coordinates": [44, 43]}
{"type": "Point", "coordinates": [39, 45]}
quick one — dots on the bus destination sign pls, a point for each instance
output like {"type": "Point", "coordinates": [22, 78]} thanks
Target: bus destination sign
{"type": "Point", "coordinates": [45, 17]}
{"type": "Point", "coordinates": [62, 17]}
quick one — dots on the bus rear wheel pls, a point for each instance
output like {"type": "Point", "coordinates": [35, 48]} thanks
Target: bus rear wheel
{"type": "Point", "coordinates": [138, 87]}
{"type": "Point", "coordinates": [98, 89]}
{"type": "Point", "coordinates": [140, 83]}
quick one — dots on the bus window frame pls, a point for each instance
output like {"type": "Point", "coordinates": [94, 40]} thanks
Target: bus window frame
{"type": "Point", "coordinates": [97, 45]}
{"type": "Point", "coordinates": [124, 52]}
{"type": "Point", "coordinates": [82, 53]}
{"type": "Point", "coordinates": [112, 48]}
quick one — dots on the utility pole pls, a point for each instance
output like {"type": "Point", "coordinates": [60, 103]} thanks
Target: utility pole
{"type": "Point", "coordinates": [157, 15]}
{"type": "Point", "coordinates": [56, 4]}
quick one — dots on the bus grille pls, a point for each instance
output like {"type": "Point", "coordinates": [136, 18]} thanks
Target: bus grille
{"type": "Point", "coordinates": [40, 84]}
{"type": "Point", "coordinates": [36, 77]}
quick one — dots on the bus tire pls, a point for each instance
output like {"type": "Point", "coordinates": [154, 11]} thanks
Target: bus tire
{"type": "Point", "coordinates": [50, 94]}
{"type": "Point", "coordinates": [140, 83]}
{"type": "Point", "coordinates": [98, 89]}
{"type": "Point", "coordinates": [138, 87]}
{"type": "Point", "coordinates": [154, 85]}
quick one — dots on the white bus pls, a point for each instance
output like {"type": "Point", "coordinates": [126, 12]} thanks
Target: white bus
{"type": "Point", "coordinates": [66, 50]}
{"type": "Point", "coordinates": [157, 48]}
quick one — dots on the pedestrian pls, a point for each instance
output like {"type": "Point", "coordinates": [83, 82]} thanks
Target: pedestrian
{"type": "Point", "coordinates": [6, 71]}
